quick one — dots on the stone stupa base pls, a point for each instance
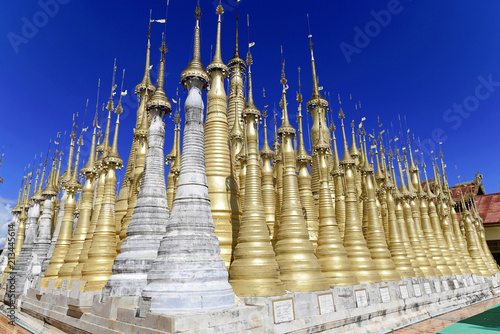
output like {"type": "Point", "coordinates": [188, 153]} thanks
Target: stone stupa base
{"type": "Point", "coordinates": [363, 308]}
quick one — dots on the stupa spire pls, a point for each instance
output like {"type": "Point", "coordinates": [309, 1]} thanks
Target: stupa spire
{"type": "Point", "coordinates": [146, 84]}
{"type": "Point", "coordinates": [300, 269]}
{"type": "Point", "coordinates": [189, 252]}
{"type": "Point", "coordinates": [254, 252]}
{"type": "Point", "coordinates": [304, 178]}
{"type": "Point", "coordinates": [219, 171]}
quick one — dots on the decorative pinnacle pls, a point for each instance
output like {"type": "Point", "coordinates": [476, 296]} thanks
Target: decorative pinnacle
{"type": "Point", "coordinates": [217, 63]}
{"type": "Point", "coordinates": [285, 127]}
{"type": "Point", "coordinates": [250, 108]}
{"type": "Point", "coordinates": [146, 84]}
{"type": "Point", "coordinates": [346, 158]}
{"type": "Point", "coordinates": [195, 68]}
{"type": "Point", "coordinates": [159, 100]}
{"type": "Point", "coordinates": [266, 149]}
{"type": "Point", "coordinates": [316, 99]}
{"type": "Point", "coordinates": [89, 167]}
{"type": "Point", "coordinates": [110, 106]}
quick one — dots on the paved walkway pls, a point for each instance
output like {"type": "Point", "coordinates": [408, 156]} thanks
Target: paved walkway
{"type": "Point", "coordinates": [442, 321]}
{"type": "Point", "coordinates": [6, 328]}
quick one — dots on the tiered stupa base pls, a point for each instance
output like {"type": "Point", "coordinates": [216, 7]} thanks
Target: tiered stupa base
{"type": "Point", "coordinates": [385, 307]}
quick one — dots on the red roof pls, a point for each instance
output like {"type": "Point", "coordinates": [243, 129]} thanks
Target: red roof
{"type": "Point", "coordinates": [488, 207]}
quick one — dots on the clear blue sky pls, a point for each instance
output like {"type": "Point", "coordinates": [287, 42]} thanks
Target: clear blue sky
{"type": "Point", "coordinates": [423, 60]}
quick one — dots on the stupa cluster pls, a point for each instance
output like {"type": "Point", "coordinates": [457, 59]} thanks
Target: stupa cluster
{"type": "Point", "coordinates": [233, 217]}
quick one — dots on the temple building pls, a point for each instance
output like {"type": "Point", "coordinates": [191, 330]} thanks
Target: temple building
{"type": "Point", "coordinates": [226, 233]}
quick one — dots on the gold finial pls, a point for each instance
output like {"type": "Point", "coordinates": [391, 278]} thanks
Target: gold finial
{"type": "Point", "coordinates": [316, 92]}
{"type": "Point", "coordinates": [346, 158]}
{"type": "Point", "coordinates": [110, 106]}
{"type": "Point", "coordinates": [195, 68]}
{"type": "Point", "coordinates": [285, 125]}
{"type": "Point", "coordinates": [113, 157]}
{"type": "Point", "coordinates": [217, 62]}
{"type": "Point", "coordinates": [321, 144]}
{"type": "Point", "coordinates": [301, 154]}
{"type": "Point", "coordinates": [159, 100]}
{"type": "Point", "coordinates": [146, 84]}
{"type": "Point", "coordinates": [266, 149]}
{"type": "Point", "coordinates": [250, 108]}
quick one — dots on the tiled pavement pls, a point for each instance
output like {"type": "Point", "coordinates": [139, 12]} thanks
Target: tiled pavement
{"type": "Point", "coordinates": [442, 321]}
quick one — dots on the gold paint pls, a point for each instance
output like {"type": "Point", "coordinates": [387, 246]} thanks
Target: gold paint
{"type": "Point", "coordinates": [222, 187]}
{"type": "Point", "coordinates": [330, 252]}
{"type": "Point", "coordinates": [396, 245]}
{"type": "Point", "coordinates": [65, 233]}
{"type": "Point", "coordinates": [102, 253]}
{"type": "Point", "coordinates": [315, 103]}
{"type": "Point", "coordinates": [398, 196]}
{"type": "Point", "coordinates": [414, 202]}
{"type": "Point", "coordinates": [438, 232]}
{"type": "Point", "coordinates": [433, 247]}
{"type": "Point", "coordinates": [338, 179]}
{"type": "Point", "coordinates": [267, 181]}
{"type": "Point", "coordinates": [306, 197]}
{"type": "Point", "coordinates": [422, 259]}
{"type": "Point", "coordinates": [375, 237]}
{"type": "Point", "coordinates": [254, 271]}
{"type": "Point", "coordinates": [18, 244]}
{"type": "Point", "coordinates": [299, 267]}
{"type": "Point", "coordinates": [354, 241]}
{"type": "Point", "coordinates": [81, 230]}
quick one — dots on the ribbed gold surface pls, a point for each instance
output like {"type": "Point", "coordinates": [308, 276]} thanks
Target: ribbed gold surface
{"type": "Point", "coordinates": [492, 264]}
{"type": "Point", "coordinates": [432, 243]}
{"type": "Point", "coordinates": [139, 160]}
{"type": "Point", "coordinates": [78, 239]}
{"type": "Point", "coordinates": [222, 188]}
{"type": "Point", "coordinates": [450, 239]}
{"type": "Point", "coordinates": [242, 177]}
{"type": "Point", "coordinates": [63, 240]}
{"type": "Point", "coordinates": [307, 201]}
{"type": "Point", "coordinates": [122, 206]}
{"type": "Point", "coordinates": [278, 172]}
{"type": "Point", "coordinates": [77, 272]}
{"type": "Point", "coordinates": [254, 271]}
{"type": "Point", "coordinates": [299, 267]}
{"type": "Point", "coordinates": [354, 241]}
{"type": "Point", "coordinates": [331, 253]}
{"type": "Point", "coordinates": [396, 246]}
{"type": "Point", "coordinates": [422, 259]}
{"type": "Point", "coordinates": [441, 242]}
{"type": "Point", "coordinates": [375, 237]}
{"type": "Point", "coordinates": [340, 203]}
{"type": "Point", "coordinates": [415, 212]}
{"type": "Point", "coordinates": [171, 174]}
{"type": "Point", "coordinates": [18, 244]}
{"type": "Point", "coordinates": [406, 240]}
{"type": "Point", "coordinates": [473, 246]}
{"type": "Point", "coordinates": [462, 243]}
{"type": "Point", "coordinates": [268, 193]}
{"type": "Point", "coordinates": [102, 252]}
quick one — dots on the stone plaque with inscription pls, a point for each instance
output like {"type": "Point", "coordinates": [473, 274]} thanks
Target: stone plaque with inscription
{"type": "Point", "coordinates": [384, 294]}
{"type": "Point", "coordinates": [361, 297]}
{"type": "Point", "coordinates": [404, 291]}
{"type": "Point", "coordinates": [65, 284]}
{"type": "Point", "coordinates": [325, 301]}
{"type": "Point", "coordinates": [455, 284]}
{"type": "Point", "coordinates": [416, 289]}
{"type": "Point", "coordinates": [283, 310]}
{"type": "Point", "coordinates": [437, 286]}
{"type": "Point", "coordinates": [427, 288]}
